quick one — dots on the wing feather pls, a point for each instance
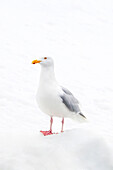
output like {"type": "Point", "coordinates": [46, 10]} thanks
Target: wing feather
{"type": "Point", "coordinates": [70, 101]}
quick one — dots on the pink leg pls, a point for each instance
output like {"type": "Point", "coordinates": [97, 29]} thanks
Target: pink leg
{"type": "Point", "coordinates": [62, 124]}
{"type": "Point", "coordinates": [51, 122]}
{"type": "Point", "coordinates": [45, 133]}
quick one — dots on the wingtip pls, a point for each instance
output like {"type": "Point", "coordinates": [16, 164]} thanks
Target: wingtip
{"type": "Point", "coordinates": [82, 115]}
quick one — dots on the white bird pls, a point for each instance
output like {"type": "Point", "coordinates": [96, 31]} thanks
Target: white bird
{"type": "Point", "coordinates": [54, 99]}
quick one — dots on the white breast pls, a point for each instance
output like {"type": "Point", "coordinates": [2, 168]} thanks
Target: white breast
{"type": "Point", "coordinates": [49, 101]}
{"type": "Point", "coordinates": [48, 94]}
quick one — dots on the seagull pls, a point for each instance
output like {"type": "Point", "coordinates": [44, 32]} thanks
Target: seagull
{"type": "Point", "coordinates": [53, 99]}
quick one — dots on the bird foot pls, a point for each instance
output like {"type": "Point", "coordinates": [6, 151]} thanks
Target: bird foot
{"type": "Point", "coordinates": [45, 133]}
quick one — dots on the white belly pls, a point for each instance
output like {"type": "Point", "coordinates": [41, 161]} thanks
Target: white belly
{"type": "Point", "coordinates": [49, 102]}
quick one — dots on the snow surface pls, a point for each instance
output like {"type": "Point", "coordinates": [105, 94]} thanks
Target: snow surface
{"type": "Point", "coordinates": [75, 149]}
{"type": "Point", "coordinates": [79, 36]}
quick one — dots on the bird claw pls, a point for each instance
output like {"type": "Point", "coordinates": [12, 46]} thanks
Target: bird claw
{"type": "Point", "coordinates": [45, 133]}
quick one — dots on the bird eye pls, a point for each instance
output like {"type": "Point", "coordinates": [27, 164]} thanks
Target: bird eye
{"type": "Point", "coordinates": [45, 58]}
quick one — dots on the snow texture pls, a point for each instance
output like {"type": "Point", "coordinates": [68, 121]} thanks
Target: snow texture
{"type": "Point", "coordinates": [75, 149]}
{"type": "Point", "coordinates": [79, 36]}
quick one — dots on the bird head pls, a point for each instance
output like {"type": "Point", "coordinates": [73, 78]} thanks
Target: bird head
{"type": "Point", "coordinates": [44, 61]}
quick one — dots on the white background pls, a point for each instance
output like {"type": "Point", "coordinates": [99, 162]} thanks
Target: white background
{"type": "Point", "coordinates": [78, 35]}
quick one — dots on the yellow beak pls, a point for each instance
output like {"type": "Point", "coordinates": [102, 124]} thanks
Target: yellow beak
{"type": "Point", "coordinates": [36, 61]}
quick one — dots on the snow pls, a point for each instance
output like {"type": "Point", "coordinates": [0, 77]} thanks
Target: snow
{"type": "Point", "coordinates": [77, 148]}
{"type": "Point", "coordinates": [79, 37]}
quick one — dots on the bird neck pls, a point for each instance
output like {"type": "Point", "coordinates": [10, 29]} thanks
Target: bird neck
{"type": "Point", "coordinates": [47, 75]}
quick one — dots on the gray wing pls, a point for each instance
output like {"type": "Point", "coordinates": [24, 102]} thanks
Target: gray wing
{"type": "Point", "coordinates": [70, 101]}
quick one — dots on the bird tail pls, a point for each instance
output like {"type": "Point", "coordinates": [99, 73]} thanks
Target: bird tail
{"type": "Point", "coordinates": [82, 115]}
{"type": "Point", "coordinates": [79, 117]}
